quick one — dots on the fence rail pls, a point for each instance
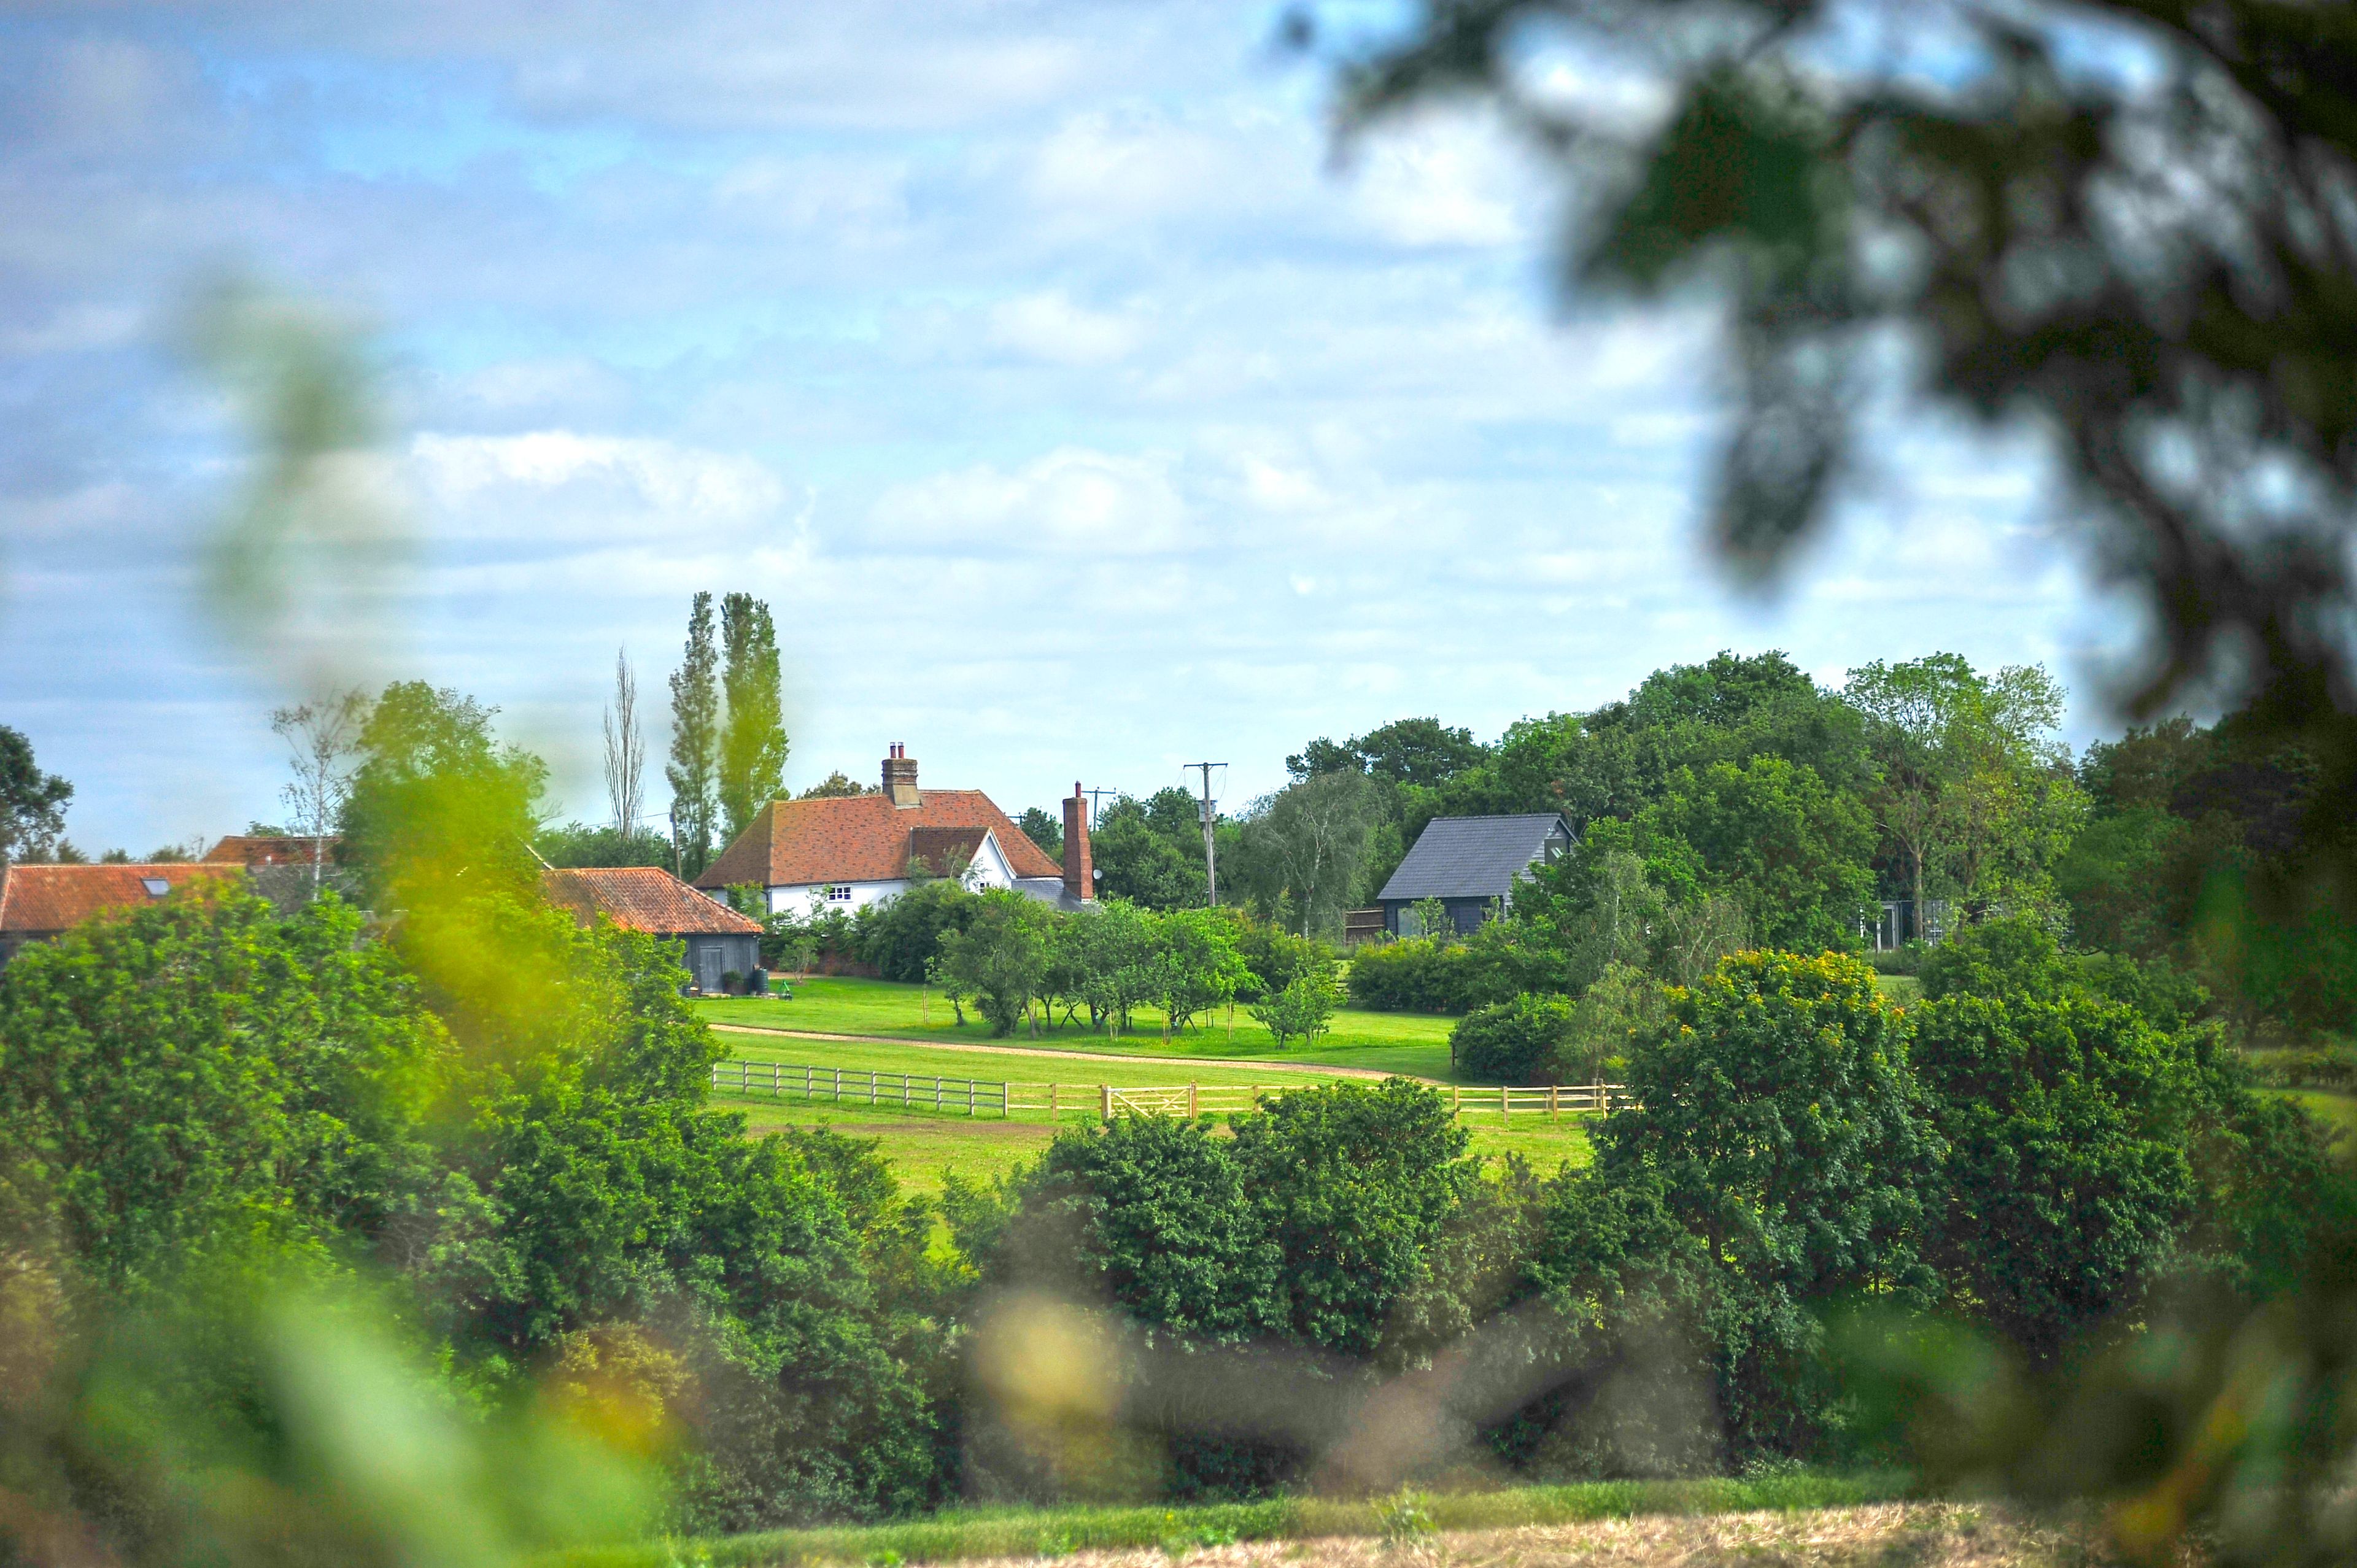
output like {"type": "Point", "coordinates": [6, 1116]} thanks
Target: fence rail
{"type": "Point", "coordinates": [1005, 1101]}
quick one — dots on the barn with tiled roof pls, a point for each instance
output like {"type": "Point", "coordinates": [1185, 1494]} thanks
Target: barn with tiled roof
{"type": "Point", "coordinates": [37, 902]}
{"type": "Point", "coordinates": [717, 941]}
{"type": "Point", "coordinates": [855, 850]}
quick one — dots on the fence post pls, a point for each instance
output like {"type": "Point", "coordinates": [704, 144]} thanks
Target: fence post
{"type": "Point", "coordinates": [1191, 1111]}
{"type": "Point", "coordinates": [1505, 1105]}
{"type": "Point", "coordinates": [1554, 1103]}
{"type": "Point", "coordinates": [1052, 1103]}
{"type": "Point", "coordinates": [1104, 1096]}
{"type": "Point", "coordinates": [1455, 1094]}
{"type": "Point", "coordinates": [969, 1098]}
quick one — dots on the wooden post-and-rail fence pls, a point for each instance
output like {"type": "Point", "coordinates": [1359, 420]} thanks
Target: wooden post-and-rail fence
{"type": "Point", "coordinates": [991, 1097]}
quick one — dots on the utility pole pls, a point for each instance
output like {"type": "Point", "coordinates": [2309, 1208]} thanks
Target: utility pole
{"type": "Point", "coordinates": [1095, 795]}
{"type": "Point", "coordinates": [1211, 861]}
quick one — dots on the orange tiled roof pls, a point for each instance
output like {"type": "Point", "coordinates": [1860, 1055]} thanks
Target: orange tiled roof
{"type": "Point", "coordinates": [36, 900]}
{"type": "Point", "coordinates": [642, 898]}
{"type": "Point", "coordinates": [862, 838]}
{"type": "Point", "coordinates": [247, 849]}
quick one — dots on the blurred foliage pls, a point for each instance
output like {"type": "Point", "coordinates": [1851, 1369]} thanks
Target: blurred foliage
{"type": "Point", "coordinates": [2122, 224]}
{"type": "Point", "coordinates": [308, 569]}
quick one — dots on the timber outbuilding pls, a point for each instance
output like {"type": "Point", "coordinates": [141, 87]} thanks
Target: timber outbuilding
{"type": "Point", "coordinates": [1472, 864]}
{"type": "Point", "coordinates": [718, 942]}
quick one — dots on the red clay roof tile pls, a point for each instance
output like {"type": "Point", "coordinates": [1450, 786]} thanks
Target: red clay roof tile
{"type": "Point", "coordinates": [642, 898]}
{"type": "Point", "coordinates": [37, 900]}
{"type": "Point", "coordinates": [862, 838]}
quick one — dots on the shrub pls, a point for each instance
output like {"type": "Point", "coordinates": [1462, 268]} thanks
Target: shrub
{"type": "Point", "coordinates": [904, 934]}
{"type": "Point", "coordinates": [1303, 1009]}
{"type": "Point", "coordinates": [1417, 974]}
{"type": "Point", "coordinates": [1521, 1041]}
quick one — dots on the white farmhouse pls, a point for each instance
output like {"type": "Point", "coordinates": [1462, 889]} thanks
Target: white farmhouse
{"type": "Point", "coordinates": [855, 850]}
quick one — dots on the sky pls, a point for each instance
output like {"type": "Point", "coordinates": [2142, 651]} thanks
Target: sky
{"type": "Point", "coordinates": [1079, 405]}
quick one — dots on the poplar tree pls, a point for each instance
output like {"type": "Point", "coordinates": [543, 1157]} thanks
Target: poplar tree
{"type": "Point", "coordinates": [695, 742]}
{"type": "Point", "coordinates": [752, 750]}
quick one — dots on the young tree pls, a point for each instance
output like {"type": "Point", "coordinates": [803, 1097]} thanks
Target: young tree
{"type": "Point", "coordinates": [325, 739]}
{"type": "Point", "coordinates": [695, 742]}
{"type": "Point", "coordinates": [626, 749]}
{"type": "Point", "coordinates": [752, 750]}
{"type": "Point", "coordinates": [32, 803]}
{"type": "Point", "coordinates": [1303, 1009]}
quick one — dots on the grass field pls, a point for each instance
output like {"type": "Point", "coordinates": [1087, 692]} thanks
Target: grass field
{"type": "Point", "coordinates": [1410, 1043]}
{"type": "Point", "coordinates": [965, 1534]}
{"type": "Point", "coordinates": [922, 1144]}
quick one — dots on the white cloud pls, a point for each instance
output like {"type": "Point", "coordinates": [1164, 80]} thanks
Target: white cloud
{"type": "Point", "coordinates": [1448, 181]}
{"type": "Point", "coordinates": [1072, 500]}
{"type": "Point", "coordinates": [1049, 327]}
{"type": "Point", "coordinates": [570, 490]}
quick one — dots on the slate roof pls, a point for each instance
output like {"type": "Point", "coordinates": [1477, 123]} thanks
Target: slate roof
{"type": "Point", "coordinates": [246, 849]}
{"type": "Point", "coordinates": [1471, 857]}
{"type": "Point", "coordinates": [863, 838]}
{"type": "Point", "coordinates": [36, 900]}
{"type": "Point", "coordinates": [642, 898]}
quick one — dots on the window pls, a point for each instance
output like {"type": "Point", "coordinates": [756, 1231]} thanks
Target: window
{"type": "Point", "coordinates": [836, 893]}
{"type": "Point", "coordinates": [157, 886]}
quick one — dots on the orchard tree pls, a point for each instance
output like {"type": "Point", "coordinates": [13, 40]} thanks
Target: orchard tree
{"type": "Point", "coordinates": [1003, 957]}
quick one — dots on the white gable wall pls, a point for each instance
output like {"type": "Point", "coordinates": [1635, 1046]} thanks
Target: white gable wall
{"type": "Point", "coordinates": [990, 869]}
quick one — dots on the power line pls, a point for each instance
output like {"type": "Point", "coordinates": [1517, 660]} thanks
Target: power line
{"type": "Point", "coordinates": [1210, 859]}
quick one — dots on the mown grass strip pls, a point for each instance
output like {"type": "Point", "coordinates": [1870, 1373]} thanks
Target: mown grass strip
{"type": "Point", "coordinates": [1055, 1533]}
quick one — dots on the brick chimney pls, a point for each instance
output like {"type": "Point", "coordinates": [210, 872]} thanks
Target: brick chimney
{"type": "Point", "coordinates": [901, 776]}
{"type": "Point", "coordinates": [1080, 879]}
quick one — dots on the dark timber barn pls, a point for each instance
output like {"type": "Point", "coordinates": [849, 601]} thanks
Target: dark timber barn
{"type": "Point", "coordinates": [1470, 864]}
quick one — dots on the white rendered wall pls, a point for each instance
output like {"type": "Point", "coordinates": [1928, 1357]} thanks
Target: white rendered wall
{"type": "Point", "coordinates": [801, 897]}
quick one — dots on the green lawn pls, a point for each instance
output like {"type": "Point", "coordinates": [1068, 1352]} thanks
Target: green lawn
{"type": "Point", "coordinates": [1410, 1043]}
{"type": "Point", "coordinates": [922, 1144]}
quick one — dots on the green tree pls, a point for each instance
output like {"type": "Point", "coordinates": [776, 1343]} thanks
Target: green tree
{"type": "Point", "coordinates": [32, 803]}
{"type": "Point", "coordinates": [437, 797]}
{"type": "Point", "coordinates": [838, 786]}
{"type": "Point", "coordinates": [1109, 951]}
{"type": "Point", "coordinates": [1042, 828]}
{"type": "Point", "coordinates": [2067, 1177]}
{"type": "Point", "coordinates": [1357, 1184]}
{"type": "Point", "coordinates": [906, 932]}
{"type": "Point", "coordinates": [1771, 833]}
{"type": "Point", "coordinates": [1973, 798]}
{"type": "Point", "coordinates": [750, 758]}
{"type": "Point", "coordinates": [1303, 849]}
{"type": "Point", "coordinates": [269, 1091]}
{"type": "Point", "coordinates": [1151, 851]}
{"type": "Point", "coordinates": [1151, 1214]}
{"type": "Point", "coordinates": [1302, 1008]}
{"type": "Point", "coordinates": [1776, 1116]}
{"type": "Point", "coordinates": [1003, 957]}
{"type": "Point", "coordinates": [1196, 966]}
{"type": "Point", "coordinates": [694, 768]}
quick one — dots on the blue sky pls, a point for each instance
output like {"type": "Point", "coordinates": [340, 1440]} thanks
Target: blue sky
{"type": "Point", "coordinates": [1078, 410]}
